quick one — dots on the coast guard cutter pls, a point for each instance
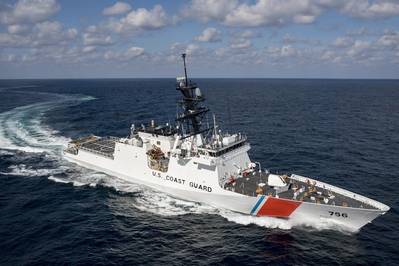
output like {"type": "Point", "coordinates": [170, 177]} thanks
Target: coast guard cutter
{"type": "Point", "coordinates": [197, 162]}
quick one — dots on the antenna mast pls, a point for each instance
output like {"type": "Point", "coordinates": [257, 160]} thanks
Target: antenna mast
{"type": "Point", "coordinates": [193, 112]}
{"type": "Point", "coordinates": [185, 70]}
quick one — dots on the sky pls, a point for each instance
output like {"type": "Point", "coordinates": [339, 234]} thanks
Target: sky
{"type": "Point", "coordinates": [222, 38]}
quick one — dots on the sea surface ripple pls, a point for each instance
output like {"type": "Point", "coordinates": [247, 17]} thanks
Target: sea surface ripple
{"type": "Point", "coordinates": [343, 132]}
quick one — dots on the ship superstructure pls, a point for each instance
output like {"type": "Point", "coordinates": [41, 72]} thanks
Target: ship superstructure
{"type": "Point", "coordinates": [196, 161]}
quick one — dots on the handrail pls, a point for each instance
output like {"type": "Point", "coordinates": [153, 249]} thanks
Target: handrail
{"type": "Point", "coordinates": [97, 152]}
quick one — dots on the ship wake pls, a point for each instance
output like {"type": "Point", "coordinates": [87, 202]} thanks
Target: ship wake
{"type": "Point", "coordinates": [22, 128]}
{"type": "Point", "coordinates": [32, 149]}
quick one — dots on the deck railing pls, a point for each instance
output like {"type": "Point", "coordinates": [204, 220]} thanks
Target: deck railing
{"type": "Point", "coordinates": [108, 155]}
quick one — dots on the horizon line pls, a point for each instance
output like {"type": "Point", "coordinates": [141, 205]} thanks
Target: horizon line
{"type": "Point", "coordinates": [271, 78]}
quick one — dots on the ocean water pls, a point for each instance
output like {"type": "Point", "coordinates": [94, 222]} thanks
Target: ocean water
{"type": "Point", "coordinates": [344, 132]}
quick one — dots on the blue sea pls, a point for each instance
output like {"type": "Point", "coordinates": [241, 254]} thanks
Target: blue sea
{"type": "Point", "coordinates": [344, 132]}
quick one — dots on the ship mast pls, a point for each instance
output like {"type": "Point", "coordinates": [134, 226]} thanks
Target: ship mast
{"type": "Point", "coordinates": [193, 111]}
{"type": "Point", "coordinates": [185, 69]}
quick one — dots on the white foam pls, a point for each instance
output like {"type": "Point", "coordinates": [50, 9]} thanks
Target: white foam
{"type": "Point", "coordinates": [22, 128]}
{"type": "Point", "coordinates": [146, 199]}
{"type": "Point", "coordinates": [58, 180]}
{"type": "Point", "coordinates": [23, 170]}
{"type": "Point", "coordinates": [165, 205]}
{"type": "Point", "coordinates": [285, 224]}
{"type": "Point", "coordinates": [6, 152]}
{"type": "Point", "coordinates": [268, 222]}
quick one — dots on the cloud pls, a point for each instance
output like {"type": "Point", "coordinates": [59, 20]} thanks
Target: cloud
{"type": "Point", "coordinates": [360, 50]}
{"type": "Point", "coordinates": [291, 39]}
{"type": "Point", "coordinates": [141, 19]}
{"type": "Point", "coordinates": [272, 12]}
{"type": "Point", "coordinates": [367, 49]}
{"type": "Point", "coordinates": [11, 40]}
{"type": "Point", "coordinates": [209, 35]}
{"type": "Point", "coordinates": [16, 28]}
{"type": "Point", "coordinates": [343, 42]}
{"type": "Point", "coordinates": [260, 13]}
{"type": "Point", "coordinates": [129, 54]}
{"type": "Point", "coordinates": [286, 51]}
{"type": "Point", "coordinates": [94, 39]}
{"type": "Point", "coordinates": [276, 12]}
{"type": "Point", "coordinates": [206, 10]}
{"type": "Point", "coordinates": [29, 11]}
{"type": "Point", "coordinates": [134, 52]}
{"type": "Point", "coordinates": [89, 49]}
{"type": "Point", "coordinates": [191, 49]}
{"type": "Point", "coordinates": [370, 9]}
{"type": "Point", "coordinates": [41, 34]}
{"type": "Point", "coordinates": [52, 33]}
{"type": "Point", "coordinates": [117, 9]}
{"type": "Point", "coordinates": [241, 44]}
{"type": "Point", "coordinates": [247, 34]}
{"type": "Point", "coordinates": [8, 58]}
{"type": "Point", "coordinates": [390, 39]}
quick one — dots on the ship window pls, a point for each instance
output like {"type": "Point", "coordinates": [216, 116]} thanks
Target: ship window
{"type": "Point", "coordinates": [158, 142]}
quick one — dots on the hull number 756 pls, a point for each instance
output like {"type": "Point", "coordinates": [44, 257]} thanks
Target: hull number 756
{"type": "Point", "coordinates": [338, 214]}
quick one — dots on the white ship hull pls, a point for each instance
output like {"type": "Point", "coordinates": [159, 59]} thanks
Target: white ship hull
{"type": "Point", "coordinates": [211, 193]}
{"type": "Point", "coordinates": [201, 164]}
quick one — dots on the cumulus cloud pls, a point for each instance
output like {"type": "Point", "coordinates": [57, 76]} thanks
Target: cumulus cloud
{"type": "Point", "coordinates": [285, 51]}
{"type": "Point", "coordinates": [371, 9]}
{"type": "Point", "coordinates": [39, 38]}
{"type": "Point", "coordinates": [389, 39]}
{"type": "Point", "coordinates": [276, 12]}
{"type": "Point", "coordinates": [363, 49]}
{"type": "Point", "coordinates": [141, 19]}
{"type": "Point", "coordinates": [117, 9]}
{"type": "Point", "coordinates": [272, 12]}
{"type": "Point", "coordinates": [16, 29]}
{"type": "Point", "coordinates": [29, 11]}
{"type": "Point", "coordinates": [89, 49]}
{"type": "Point", "coordinates": [260, 13]}
{"type": "Point", "coordinates": [209, 35]}
{"type": "Point", "coordinates": [360, 50]}
{"type": "Point", "coordinates": [8, 58]}
{"type": "Point", "coordinates": [11, 40]}
{"type": "Point", "coordinates": [134, 52]}
{"type": "Point", "coordinates": [343, 42]}
{"type": "Point", "coordinates": [129, 54]}
{"type": "Point", "coordinates": [241, 44]}
{"type": "Point", "coordinates": [247, 34]}
{"type": "Point", "coordinates": [191, 49]}
{"type": "Point", "coordinates": [52, 33]}
{"type": "Point", "coordinates": [41, 34]}
{"type": "Point", "coordinates": [94, 39]}
{"type": "Point", "coordinates": [206, 10]}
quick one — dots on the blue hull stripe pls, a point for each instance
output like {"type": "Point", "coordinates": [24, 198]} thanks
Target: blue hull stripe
{"type": "Point", "coordinates": [257, 204]}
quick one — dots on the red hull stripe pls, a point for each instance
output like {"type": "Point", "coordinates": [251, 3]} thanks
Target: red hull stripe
{"type": "Point", "coordinates": [278, 207]}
